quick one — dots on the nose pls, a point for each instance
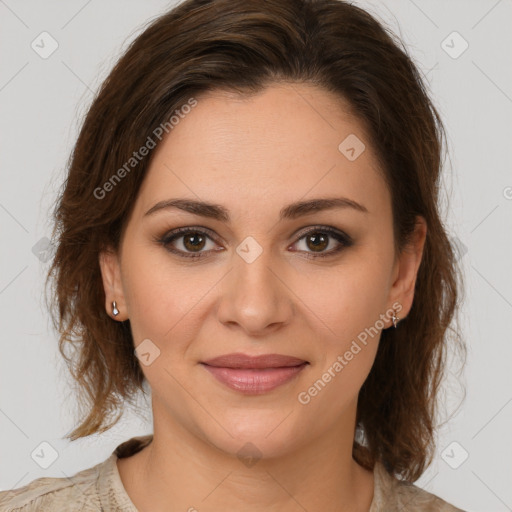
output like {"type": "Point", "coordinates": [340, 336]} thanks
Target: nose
{"type": "Point", "coordinates": [255, 296]}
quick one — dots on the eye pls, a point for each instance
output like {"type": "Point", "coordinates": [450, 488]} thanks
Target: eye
{"type": "Point", "coordinates": [319, 238]}
{"type": "Point", "coordinates": [187, 242]}
{"type": "Point", "coordinates": [190, 242]}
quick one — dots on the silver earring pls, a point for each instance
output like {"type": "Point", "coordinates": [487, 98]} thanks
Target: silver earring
{"type": "Point", "coordinates": [395, 319]}
{"type": "Point", "coordinates": [115, 311]}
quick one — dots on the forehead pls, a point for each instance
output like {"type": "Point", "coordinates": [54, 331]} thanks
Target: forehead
{"type": "Point", "coordinates": [282, 144]}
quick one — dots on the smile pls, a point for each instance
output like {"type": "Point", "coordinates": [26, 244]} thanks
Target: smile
{"type": "Point", "coordinates": [254, 381]}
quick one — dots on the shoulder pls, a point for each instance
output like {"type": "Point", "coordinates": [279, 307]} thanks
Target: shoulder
{"type": "Point", "coordinates": [391, 494]}
{"type": "Point", "coordinates": [75, 493]}
{"type": "Point", "coordinates": [91, 490]}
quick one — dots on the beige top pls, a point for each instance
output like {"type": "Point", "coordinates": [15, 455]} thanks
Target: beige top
{"type": "Point", "coordinates": [100, 488]}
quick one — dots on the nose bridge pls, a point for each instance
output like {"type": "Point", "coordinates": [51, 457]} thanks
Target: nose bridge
{"type": "Point", "coordinates": [253, 296]}
{"type": "Point", "coordinates": [252, 266]}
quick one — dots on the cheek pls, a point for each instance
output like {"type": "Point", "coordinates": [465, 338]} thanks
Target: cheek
{"type": "Point", "coordinates": [161, 300]}
{"type": "Point", "coordinates": [347, 313]}
{"type": "Point", "coordinates": [346, 305]}
{"type": "Point", "coordinates": [348, 299]}
{"type": "Point", "coordinates": [163, 297]}
{"type": "Point", "coordinates": [153, 300]}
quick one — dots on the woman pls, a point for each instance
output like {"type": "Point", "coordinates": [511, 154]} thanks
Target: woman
{"type": "Point", "coordinates": [250, 226]}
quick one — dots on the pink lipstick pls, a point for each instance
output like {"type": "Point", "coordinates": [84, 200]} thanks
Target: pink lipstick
{"type": "Point", "coordinates": [254, 375]}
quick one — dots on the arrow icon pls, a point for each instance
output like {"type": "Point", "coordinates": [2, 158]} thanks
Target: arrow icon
{"type": "Point", "coordinates": [249, 454]}
{"type": "Point", "coordinates": [44, 455]}
{"type": "Point", "coordinates": [351, 147]}
{"type": "Point", "coordinates": [147, 352]}
{"type": "Point", "coordinates": [249, 252]}
{"type": "Point", "coordinates": [454, 455]}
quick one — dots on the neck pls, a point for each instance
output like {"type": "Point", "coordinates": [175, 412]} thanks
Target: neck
{"type": "Point", "coordinates": [181, 469]}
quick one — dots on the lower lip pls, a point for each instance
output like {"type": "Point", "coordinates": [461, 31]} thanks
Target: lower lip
{"type": "Point", "coordinates": [254, 381]}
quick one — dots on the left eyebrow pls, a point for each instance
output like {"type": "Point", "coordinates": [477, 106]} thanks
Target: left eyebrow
{"type": "Point", "coordinates": [301, 208]}
{"type": "Point", "coordinates": [291, 211]}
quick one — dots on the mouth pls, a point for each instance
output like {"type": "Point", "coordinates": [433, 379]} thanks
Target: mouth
{"type": "Point", "coordinates": [254, 375]}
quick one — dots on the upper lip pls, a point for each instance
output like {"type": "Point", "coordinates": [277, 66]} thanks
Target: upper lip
{"type": "Point", "coordinates": [246, 361]}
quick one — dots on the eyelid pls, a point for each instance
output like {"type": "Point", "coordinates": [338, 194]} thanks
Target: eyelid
{"type": "Point", "coordinates": [323, 229]}
{"type": "Point", "coordinates": [344, 240]}
{"type": "Point", "coordinates": [340, 236]}
{"type": "Point", "coordinates": [174, 234]}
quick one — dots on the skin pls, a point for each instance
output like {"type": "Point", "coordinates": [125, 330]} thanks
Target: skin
{"type": "Point", "coordinates": [254, 156]}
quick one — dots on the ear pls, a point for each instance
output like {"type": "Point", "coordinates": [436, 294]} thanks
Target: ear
{"type": "Point", "coordinates": [112, 284]}
{"type": "Point", "coordinates": [406, 269]}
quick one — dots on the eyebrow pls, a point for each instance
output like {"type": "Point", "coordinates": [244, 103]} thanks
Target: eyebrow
{"type": "Point", "coordinates": [291, 211]}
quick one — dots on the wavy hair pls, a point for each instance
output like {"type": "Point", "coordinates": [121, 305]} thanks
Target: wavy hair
{"type": "Point", "coordinates": [204, 45]}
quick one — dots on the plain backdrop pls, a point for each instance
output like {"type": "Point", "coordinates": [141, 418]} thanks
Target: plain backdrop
{"type": "Point", "coordinates": [463, 49]}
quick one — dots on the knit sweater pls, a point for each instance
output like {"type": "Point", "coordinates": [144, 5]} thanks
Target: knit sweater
{"type": "Point", "coordinates": [99, 488]}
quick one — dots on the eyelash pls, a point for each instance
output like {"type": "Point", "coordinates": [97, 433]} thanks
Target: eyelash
{"type": "Point", "coordinates": [344, 240]}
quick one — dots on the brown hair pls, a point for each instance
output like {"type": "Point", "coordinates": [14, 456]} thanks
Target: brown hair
{"type": "Point", "coordinates": [203, 45]}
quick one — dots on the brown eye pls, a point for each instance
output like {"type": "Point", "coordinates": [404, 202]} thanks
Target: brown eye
{"type": "Point", "coordinates": [323, 241]}
{"type": "Point", "coordinates": [187, 242]}
{"type": "Point", "coordinates": [317, 242]}
{"type": "Point", "coordinates": [194, 241]}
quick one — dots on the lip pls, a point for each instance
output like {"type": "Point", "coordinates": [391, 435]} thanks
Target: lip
{"type": "Point", "coordinates": [236, 360]}
{"type": "Point", "coordinates": [254, 375]}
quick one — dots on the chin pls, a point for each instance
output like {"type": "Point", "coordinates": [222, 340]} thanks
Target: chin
{"type": "Point", "coordinates": [253, 434]}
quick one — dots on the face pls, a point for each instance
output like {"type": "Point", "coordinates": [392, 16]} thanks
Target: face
{"type": "Point", "coordinates": [253, 275]}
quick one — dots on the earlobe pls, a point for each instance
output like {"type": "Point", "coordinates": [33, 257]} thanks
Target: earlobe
{"type": "Point", "coordinates": [112, 285]}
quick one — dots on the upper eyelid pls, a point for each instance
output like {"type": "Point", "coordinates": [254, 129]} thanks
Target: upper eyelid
{"type": "Point", "coordinates": [298, 235]}
{"type": "Point", "coordinates": [319, 227]}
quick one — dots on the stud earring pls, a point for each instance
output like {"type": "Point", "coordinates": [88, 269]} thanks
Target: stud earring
{"type": "Point", "coordinates": [395, 319]}
{"type": "Point", "coordinates": [115, 311]}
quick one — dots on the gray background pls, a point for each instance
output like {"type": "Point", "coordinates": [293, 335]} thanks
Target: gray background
{"type": "Point", "coordinates": [41, 104]}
